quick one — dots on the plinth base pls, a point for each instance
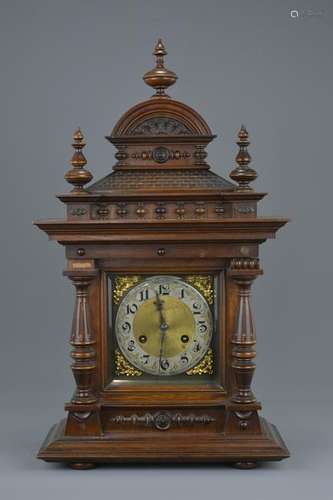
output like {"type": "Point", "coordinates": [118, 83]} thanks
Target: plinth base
{"type": "Point", "coordinates": [238, 449]}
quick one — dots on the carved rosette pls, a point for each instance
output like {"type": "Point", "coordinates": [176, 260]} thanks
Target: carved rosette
{"type": "Point", "coordinates": [83, 340]}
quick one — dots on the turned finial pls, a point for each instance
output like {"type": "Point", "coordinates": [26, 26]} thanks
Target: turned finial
{"type": "Point", "coordinates": [78, 175]}
{"type": "Point", "coordinates": [243, 174]}
{"type": "Point", "coordinates": [160, 78]}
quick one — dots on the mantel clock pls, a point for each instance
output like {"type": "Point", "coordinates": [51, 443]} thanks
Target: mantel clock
{"type": "Point", "coordinates": [162, 253]}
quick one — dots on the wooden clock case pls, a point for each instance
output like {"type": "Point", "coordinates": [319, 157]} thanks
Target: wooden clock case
{"type": "Point", "coordinates": [162, 211]}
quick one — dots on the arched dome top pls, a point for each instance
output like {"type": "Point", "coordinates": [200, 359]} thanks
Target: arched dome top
{"type": "Point", "coordinates": [161, 116]}
{"type": "Point", "coordinates": [161, 133]}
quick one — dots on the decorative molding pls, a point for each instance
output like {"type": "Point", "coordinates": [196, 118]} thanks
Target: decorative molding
{"type": "Point", "coordinates": [150, 209]}
{"type": "Point", "coordinates": [243, 418]}
{"type": "Point", "coordinates": [79, 211]}
{"type": "Point", "coordinates": [140, 210]}
{"type": "Point", "coordinates": [200, 155]}
{"type": "Point", "coordinates": [103, 211]}
{"type": "Point", "coordinates": [123, 367]}
{"type": "Point", "coordinates": [205, 367]}
{"type": "Point", "coordinates": [163, 420]}
{"type": "Point", "coordinates": [121, 155]}
{"type": "Point", "coordinates": [121, 285]}
{"type": "Point", "coordinates": [244, 263]}
{"type": "Point", "coordinates": [161, 125]}
{"type": "Point", "coordinates": [122, 211]}
{"type": "Point", "coordinates": [204, 284]}
{"type": "Point", "coordinates": [219, 210]}
{"type": "Point", "coordinates": [200, 209]}
{"type": "Point", "coordinates": [180, 210]}
{"type": "Point", "coordinates": [245, 210]}
{"type": "Point", "coordinates": [160, 154]}
{"type": "Point", "coordinates": [160, 210]}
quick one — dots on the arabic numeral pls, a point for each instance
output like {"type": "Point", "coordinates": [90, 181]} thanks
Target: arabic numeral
{"type": "Point", "coordinates": [144, 295]}
{"type": "Point", "coordinates": [126, 327]}
{"type": "Point", "coordinates": [131, 308]}
{"type": "Point", "coordinates": [164, 364]}
{"type": "Point", "coordinates": [131, 345]}
{"type": "Point", "coordinates": [196, 306]}
{"type": "Point", "coordinates": [164, 289]}
{"type": "Point", "coordinates": [202, 326]}
{"type": "Point", "coordinates": [146, 359]}
{"type": "Point", "coordinates": [197, 346]}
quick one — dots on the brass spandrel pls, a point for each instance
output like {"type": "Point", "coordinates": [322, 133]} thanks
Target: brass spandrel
{"type": "Point", "coordinates": [204, 284]}
{"type": "Point", "coordinates": [123, 367]}
{"type": "Point", "coordinates": [205, 367]}
{"type": "Point", "coordinates": [121, 285]}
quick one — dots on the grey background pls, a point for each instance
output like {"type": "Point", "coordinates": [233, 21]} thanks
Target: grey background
{"type": "Point", "coordinates": [69, 63]}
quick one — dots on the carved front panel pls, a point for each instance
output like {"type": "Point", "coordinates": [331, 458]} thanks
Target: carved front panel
{"type": "Point", "coordinates": [169, 420]}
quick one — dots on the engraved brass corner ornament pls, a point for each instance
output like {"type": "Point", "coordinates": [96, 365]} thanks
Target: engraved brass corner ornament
{"type": "Point", "coordinates": [204, 284]}
{"type": "Point", "coordinates": [123, 367]}
{"type": "Point", "coordinates": [121, 285]}
{"type": "Point", "coordinates": [205, 367]}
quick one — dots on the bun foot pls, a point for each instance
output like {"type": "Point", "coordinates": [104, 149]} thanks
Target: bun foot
{"type": "Point", "coordinates": [82, 465]}
{"type": "Point", "coordinates": [244, 465]}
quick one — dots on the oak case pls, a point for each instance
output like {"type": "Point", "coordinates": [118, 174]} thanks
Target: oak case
{"type": "Point", "coordinates": [162, 212]}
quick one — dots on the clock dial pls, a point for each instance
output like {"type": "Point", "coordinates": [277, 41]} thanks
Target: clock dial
{"type": "Point", "coordinates": [163, 326]}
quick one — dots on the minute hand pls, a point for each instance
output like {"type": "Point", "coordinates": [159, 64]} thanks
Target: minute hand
{"type": "Point", "coordinates": [163, 327]}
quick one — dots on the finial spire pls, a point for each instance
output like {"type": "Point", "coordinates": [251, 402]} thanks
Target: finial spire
{"type": "Point", "coordinates": [78, 175]}
{"type": "Point", "coordinates": [243, 174]}
{"type": "Point", "coordinates": [160, 78]}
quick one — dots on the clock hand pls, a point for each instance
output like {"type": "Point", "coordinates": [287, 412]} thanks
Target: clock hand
{"type": "Point", "coordinates": [163, 327]}
{"type": "Point", "coordinates": [159, 305]}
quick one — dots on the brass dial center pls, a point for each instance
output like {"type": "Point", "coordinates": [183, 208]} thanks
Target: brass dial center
{"type": "Point", "coordinates": [178, 317]}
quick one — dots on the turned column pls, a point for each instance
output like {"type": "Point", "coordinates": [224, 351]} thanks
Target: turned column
{"type": "Point", "coordinates": [244, 271]}
{"type": "Point", "coordinates": [83, 340]}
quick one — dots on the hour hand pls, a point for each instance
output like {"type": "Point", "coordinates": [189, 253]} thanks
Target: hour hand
{"type": "Point", "coordinates": [159, 305]}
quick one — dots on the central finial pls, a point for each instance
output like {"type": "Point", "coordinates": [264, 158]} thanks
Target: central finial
{"type": "Point", "coordinates": [160, 78]}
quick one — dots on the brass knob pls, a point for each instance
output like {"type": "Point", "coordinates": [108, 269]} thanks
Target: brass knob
{"type": "Point", "coordinates": [161, 252]}
{"type": "Point", "coordinates": [81, 252]}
